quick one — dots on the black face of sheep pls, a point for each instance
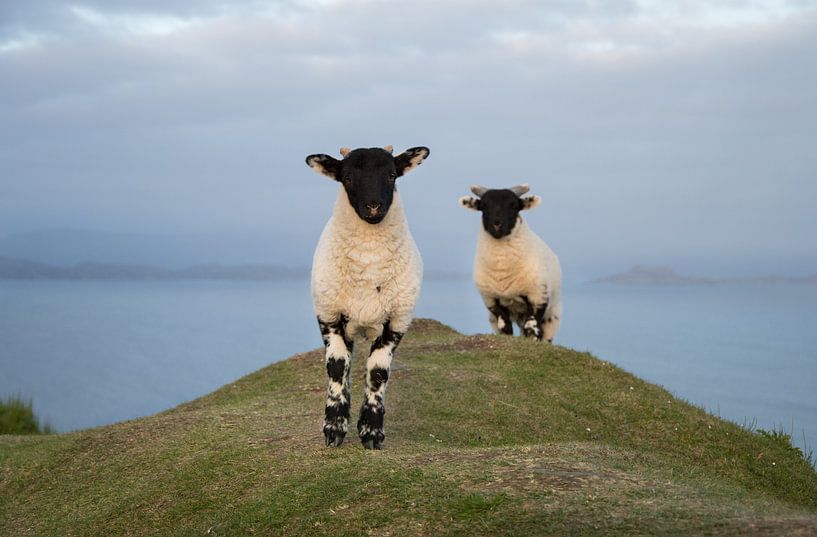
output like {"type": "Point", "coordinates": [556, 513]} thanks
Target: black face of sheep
{"type": "Point", "coordinates": [500, 207]}
{"type": "Point", "coordinates": [368, 176]}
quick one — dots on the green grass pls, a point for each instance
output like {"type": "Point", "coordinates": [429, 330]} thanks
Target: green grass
{"type": "Point", "coordinates": [486, 435]}
{"type": "Point", "coordinates": [17, 417]}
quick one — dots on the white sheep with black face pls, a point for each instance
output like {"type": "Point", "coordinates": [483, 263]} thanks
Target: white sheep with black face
{"type": "Point", "coordinates": [366, 277]}
{"type": "Point", "coordinates": [516, 273]}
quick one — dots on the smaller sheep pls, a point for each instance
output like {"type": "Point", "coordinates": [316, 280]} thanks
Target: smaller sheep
{"type": "Point", "coordinates": [516, 273]}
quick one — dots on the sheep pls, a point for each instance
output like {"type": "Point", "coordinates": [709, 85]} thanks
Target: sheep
{"type": "Point", "coordinates": [516, 273]}
{"type": "Point", "coordinates": [366, 277]}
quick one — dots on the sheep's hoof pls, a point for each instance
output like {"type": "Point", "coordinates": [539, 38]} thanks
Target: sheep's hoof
{"type": "Point", "coordinates": [334, 439]}
{"type": "Point", "coordinates": [333, 436]}
{"type": "Point", "coordinates": [372, 439]}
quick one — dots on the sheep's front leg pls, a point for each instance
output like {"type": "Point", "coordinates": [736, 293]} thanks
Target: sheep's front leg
{"type": "Point", "coordinates": [533, 322]}
{"type": "Point", "coordinates": [338, 367]}
{"type": "Point", "coordinates": [500, 318]}
{"type": "Point", "coordinates": [373, 409]}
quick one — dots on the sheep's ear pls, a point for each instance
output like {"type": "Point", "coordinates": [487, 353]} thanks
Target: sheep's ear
{"type": "Point", "coordinates": [325, 165]}
{"type": "Point", "coordinates": [529, 202]}
{"type": "Point", "coordinates": [410, 159]}
{"type": "Point", "coordinates": [470, 203]}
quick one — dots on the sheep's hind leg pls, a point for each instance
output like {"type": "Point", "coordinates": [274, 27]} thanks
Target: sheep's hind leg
{"type": "Point", "coordinates": [338, 366]}
{"type": "Point", "coordinates": [500, 318]}
{"type": "Point", "coordinates": [373, 410]}
{"type": "Point", "coordinates": [552, 321]}
{"type": "Point", "coordinates": [532, 326]}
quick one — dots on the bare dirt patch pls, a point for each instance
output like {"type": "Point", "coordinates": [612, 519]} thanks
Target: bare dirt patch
{"type": "Point", "coordinates": [805, 526]}
{"type": "Point", "coordinates": [546, 468]}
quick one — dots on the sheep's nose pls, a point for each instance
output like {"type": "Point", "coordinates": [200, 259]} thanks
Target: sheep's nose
{"type": "Point", "coordinates": [373, 205]}
{"type": "Point", "coordinates": [497, 225]}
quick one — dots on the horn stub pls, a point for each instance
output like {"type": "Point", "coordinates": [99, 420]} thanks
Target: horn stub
{"type": "Point", "coordinates": [520, 189]}
{"type": "Point", "coordinates": [478, 190]}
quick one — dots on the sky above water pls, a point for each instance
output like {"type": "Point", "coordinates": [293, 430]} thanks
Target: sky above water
{"type": "Point", "coordinates": [673, 133]}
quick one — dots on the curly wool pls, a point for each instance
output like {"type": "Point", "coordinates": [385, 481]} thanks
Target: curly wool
{"type": "Point", "coordinates": [369, 273]}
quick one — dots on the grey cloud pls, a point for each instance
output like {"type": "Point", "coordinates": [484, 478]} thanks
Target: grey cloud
{"type": "Point", "coordinates": [654, 150]}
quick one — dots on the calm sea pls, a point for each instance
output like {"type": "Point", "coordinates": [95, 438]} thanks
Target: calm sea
{"type": "Point", "coordinates": [96, 352]}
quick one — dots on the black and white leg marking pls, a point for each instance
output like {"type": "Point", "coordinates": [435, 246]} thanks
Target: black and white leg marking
{"type": "Point", "coordinates": [373, 409]}
{"type": "Point", "coordinates": [338, 366]}
{"type": "Point", "coordinates": [501, 318]}
{"type": "Point", "coordinates": [532, 326]}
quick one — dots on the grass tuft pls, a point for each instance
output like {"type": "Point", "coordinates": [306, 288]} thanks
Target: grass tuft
{"type": "Point", "coordinates": [783, 441]}
{"type": "Point", "coordinates": [477, 505]}
{"type": "Point", "coordinates": [17, 417]}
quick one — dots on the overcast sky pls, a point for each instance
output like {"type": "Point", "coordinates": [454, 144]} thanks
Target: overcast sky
{"type": "Point", "coordinates": [678, 133]}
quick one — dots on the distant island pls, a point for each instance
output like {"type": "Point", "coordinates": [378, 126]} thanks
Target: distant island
{"type": "Point", "coordinates": [642, 275]}
{"type": "Point", "coordinates": [21, 269]}
{"type": "Point", "coordinates": [12, 268]}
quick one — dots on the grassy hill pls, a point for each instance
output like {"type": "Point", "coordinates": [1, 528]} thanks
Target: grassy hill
{"type": "Point", "coordinates": [485, 436]}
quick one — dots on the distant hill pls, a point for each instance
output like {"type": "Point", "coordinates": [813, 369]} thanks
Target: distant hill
{"type": "Point", "coordinates": [68, 247]}
{"type": "Point", "coordinates": [652, 275]}
{"type": "Point", "coordinates": [642, 275]}
{"type": "Point", "coordinates": [12, 268]}
{"type": "Point", "coordinates": [21, 269]}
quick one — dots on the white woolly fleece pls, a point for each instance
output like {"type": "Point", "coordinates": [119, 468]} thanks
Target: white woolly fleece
{"type": "Point", "coordinates": [368, 272]}
{"type": "Point", "coordinates": [520, 264]}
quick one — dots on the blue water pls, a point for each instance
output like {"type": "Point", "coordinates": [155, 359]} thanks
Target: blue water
{"type": "Point", "coordinates": [96, 352]}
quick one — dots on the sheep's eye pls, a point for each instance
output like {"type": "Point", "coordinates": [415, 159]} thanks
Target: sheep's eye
{"type": "Point", "coordinates": [347, 178]}
{"type": "Point", "coordinates": [393, 175]}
